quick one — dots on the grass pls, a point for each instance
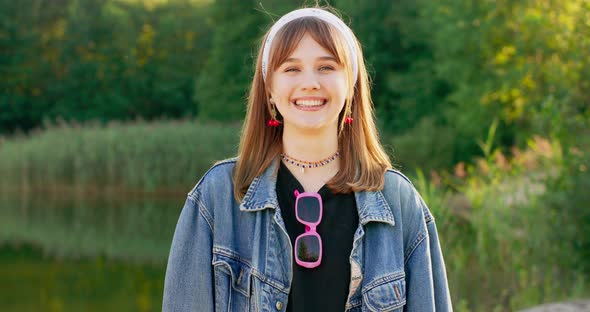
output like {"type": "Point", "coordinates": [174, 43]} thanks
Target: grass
{"type": "Point", "coordinates": [160, 156]}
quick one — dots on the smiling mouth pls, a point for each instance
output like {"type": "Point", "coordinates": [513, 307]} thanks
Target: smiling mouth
{"type": "Point", "coordinates": [309, 103]}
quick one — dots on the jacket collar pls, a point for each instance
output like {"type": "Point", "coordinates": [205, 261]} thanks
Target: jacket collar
{"type": "Point", "coordinates": [262, 194]}
{"type": "Point", "coordinates": [262, 191]}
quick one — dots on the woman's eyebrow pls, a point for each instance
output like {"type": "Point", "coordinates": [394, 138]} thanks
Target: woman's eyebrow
{"type": "Point", "coordinates": [328, 58]}
{"type": "Point", "coordinates": [321, 58]}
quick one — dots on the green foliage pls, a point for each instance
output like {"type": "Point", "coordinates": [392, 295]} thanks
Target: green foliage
{"type": "Point", "coordinates": [100, 59]}
{"type": "Point", "coordinates": [162, 156]}
{"type": "Point", "coordinates": [514, 230]}
{"type": "Point", "coordinates": [223, 84]}
{"type": "Point", "coordinates": [442, 71]}
{"type": "Point", "coordinates": [516, 61]}
{"type": "Point", "coordinates": [399, 59]}
{"type": "Point", "coordinates": [567, 203]}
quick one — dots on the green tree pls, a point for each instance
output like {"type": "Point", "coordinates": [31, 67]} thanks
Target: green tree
{"type": "Point", "coordinates": [223, 83]}
{"type": "Point", "coordinates": [238, 29]}
{"type": "Point", "coordinates": [518, 61]}
{"type": "Point", "coordinates": [99, 59]}
{"type": "Point", "coordinates": [399, 59]}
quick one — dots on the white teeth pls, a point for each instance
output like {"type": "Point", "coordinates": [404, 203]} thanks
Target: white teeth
{"type": "Point", "coordinates": [309, 102]}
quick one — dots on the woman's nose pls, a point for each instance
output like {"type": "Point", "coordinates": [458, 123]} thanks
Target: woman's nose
{"type": "Point", "coordinates": [310, 81]}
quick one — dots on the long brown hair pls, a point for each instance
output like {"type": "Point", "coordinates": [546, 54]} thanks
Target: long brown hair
{"type": "Point", "coordinates": [363, 161]}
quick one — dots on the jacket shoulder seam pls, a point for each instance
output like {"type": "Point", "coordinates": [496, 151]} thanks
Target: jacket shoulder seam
{"type": "Point", "coordinates": [417, 241]}
{"type": "Point", "coordinates": [203, 211]}
{"type": "Point", "coordinates": [230, 161]}
{"type": "Point", "coordinates": [428, 217]}
{"type": "Point", "coordinates": [398, 173]}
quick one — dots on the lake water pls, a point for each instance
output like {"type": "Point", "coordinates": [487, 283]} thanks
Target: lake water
{"type": "Point", "coordinates": [74, 252]}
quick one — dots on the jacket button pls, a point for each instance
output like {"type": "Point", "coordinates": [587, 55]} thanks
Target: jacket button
{"type": "Point", "coordinates": [279, 305]}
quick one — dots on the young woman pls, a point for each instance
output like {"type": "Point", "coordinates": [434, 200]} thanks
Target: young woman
{"type": "Point", "coordinates": [309, 216]}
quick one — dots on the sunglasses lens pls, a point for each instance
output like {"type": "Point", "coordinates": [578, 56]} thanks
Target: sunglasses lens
{"type": "Point", "coordinates": [308, 209]}
{"type": "Point", "coordinates": [308, 248]}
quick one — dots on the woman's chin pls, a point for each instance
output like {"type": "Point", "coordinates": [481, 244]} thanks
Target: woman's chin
{"type": "Point", "coordinates": [311, 125]}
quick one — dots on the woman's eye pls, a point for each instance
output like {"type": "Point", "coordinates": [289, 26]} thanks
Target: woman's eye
{"type": "Point", "coordinates": [291, 69]}
{"type": "Point", "coordinates": [326, 68]}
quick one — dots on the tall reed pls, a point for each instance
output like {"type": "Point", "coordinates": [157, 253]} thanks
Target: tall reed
{"type": "Point", "coordinates": [137, 156]}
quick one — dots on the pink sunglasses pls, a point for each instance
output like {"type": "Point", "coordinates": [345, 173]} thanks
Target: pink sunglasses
{"type": "Point", "coordinates": [308, 246]}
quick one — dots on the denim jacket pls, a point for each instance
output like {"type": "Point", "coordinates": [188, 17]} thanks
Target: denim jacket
{"type": "Point", "coordinates": [227, 256]}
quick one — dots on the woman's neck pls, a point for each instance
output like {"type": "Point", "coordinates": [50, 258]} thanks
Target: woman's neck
{"type": "Point", "coordinates": [312, 146]}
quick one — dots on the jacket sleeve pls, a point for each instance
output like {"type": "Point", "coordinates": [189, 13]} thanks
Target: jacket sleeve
{"type": "Point", "coordinates": [426, 278]}
{"type": "Point", "coordinates": [189, 277]}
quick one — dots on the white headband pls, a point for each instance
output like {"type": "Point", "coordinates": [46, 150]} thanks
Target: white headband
{"type": "Point", "coordinates": [321, 14]}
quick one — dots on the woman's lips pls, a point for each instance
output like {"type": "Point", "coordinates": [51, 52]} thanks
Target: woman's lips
{"type": "Point", "coordinates": [309, 104]}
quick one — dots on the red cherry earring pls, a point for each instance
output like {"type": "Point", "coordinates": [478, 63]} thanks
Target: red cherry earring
{"type": "Point", "coordinates": [273, 122]}
{"type": "Point", "coordinates": [348, 119]}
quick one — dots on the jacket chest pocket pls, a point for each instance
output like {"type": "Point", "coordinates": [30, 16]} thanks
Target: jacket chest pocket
{"type": "Point", "coordinates": [386, 293]}
{"type": "Point", "coordinates": [233, 285]}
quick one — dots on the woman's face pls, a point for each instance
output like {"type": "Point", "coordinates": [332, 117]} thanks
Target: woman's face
{"type": "Point", "coordinates": [310, 87]}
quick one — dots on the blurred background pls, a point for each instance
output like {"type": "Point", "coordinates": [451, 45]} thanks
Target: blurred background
{"type": "Point", "coordinates": [111, 110]}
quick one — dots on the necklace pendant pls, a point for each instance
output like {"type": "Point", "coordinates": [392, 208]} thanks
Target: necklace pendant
{"type": "Point", "coordinates": [302, 170]}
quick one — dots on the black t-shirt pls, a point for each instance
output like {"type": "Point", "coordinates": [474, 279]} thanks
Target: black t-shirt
{"type": "Point", "coordinates": [323, 288]}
